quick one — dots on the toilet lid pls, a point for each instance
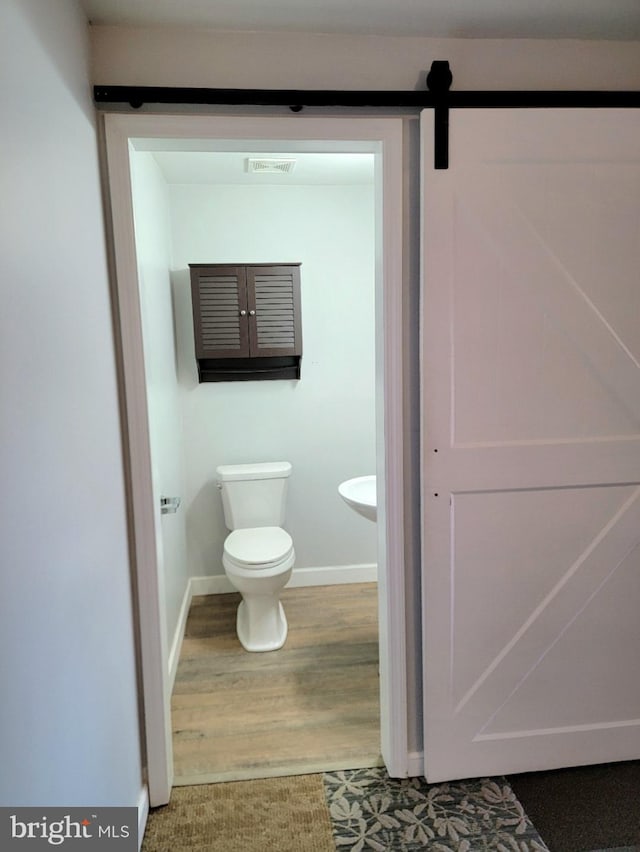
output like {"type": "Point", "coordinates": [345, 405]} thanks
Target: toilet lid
{"type": "Point", "coordinates": [258, 545]}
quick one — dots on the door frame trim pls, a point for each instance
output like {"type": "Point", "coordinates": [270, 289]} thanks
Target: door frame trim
{"type": "Point", "coordinates": [385, 138]}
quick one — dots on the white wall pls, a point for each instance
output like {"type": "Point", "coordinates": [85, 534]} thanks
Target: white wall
{"type": "Point", "coordinates": [183, 57]}
{"type": "Point", "coordinates": [68, 715]}
{"type": "Point", "coordinates": [323, 424]}
{"type": "Point", "coordinates": [153, 250]}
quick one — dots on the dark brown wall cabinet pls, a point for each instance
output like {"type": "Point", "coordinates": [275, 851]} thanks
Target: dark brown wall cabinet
{"type": "Point", "coordinates": [246, 321]}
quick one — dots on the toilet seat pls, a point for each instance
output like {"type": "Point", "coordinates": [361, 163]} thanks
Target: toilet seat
{"type": "Point", "coordinates": [258, 548]}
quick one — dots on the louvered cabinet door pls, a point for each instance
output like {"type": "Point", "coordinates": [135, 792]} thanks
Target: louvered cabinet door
{"type": "Point", "coordinates": [273, 294]}
{"type": "Point", "coordinates": [219, 298]}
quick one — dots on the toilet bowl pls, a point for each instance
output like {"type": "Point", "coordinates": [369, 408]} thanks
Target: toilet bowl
{"type": "Point", "coordinates": [258, 562]}
{"type": "Point", "coordinates": [258, 555]}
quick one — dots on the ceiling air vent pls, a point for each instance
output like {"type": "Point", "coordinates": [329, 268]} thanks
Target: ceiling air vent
{"type": "Point", "coordinates": [269, 166]}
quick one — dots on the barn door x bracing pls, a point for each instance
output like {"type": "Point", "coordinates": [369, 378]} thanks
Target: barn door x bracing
{"type": "Point", "coordinates": [531, 441]}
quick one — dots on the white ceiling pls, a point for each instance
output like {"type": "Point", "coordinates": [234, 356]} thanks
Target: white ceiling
{"type": "Point", "coordinates": [207, 167]}
{"type": "Point", "coordinates": [584, 19]}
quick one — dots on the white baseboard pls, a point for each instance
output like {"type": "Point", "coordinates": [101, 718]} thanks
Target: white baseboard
{"type": "Point", "coordinates": [332, 575]}
{"type": "Point", "coordinates": [217, 584]}
{"type": "Point", "coordinates": [174, 653]}
{"type": "Point", "coordinates": [143, 813]}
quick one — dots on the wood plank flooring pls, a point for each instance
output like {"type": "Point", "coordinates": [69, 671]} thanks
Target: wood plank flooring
{"type": "Point", "coordinates": [311, 706]}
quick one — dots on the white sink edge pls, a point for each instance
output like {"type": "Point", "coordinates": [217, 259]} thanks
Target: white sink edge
{"type": "Point", "coordinates": [360, 494]}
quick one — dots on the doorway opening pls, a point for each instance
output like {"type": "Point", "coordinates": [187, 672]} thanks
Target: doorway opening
{"type": "Point", "coordinates": [381, 140]}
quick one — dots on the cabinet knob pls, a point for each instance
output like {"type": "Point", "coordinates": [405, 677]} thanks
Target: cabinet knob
{"type": "Point", "coordinates": [252, 313]}
{"type": "Point", "coordinates": [243, 313]}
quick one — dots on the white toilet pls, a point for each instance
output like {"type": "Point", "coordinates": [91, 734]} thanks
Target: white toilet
{"type": "Point", "coordinates": [258, 554]}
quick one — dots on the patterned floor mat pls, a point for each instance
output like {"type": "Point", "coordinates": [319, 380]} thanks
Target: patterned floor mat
{"type": "Point", "coordinates": [370, 811]}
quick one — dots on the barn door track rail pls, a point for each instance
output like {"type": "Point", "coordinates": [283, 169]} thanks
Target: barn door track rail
{"type": "Point", "coordinates": [437, 96]}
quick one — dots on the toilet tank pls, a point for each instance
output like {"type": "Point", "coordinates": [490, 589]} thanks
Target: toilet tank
{"type": "Point", "coordinates": [253, 495]}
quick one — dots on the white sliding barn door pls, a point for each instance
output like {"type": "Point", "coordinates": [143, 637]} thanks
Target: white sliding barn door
{"type": "Point", "coordinates": [531, 441]}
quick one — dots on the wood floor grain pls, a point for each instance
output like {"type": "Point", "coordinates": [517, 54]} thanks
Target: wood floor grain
{"type": "Point", "coordinates": [311, 706]}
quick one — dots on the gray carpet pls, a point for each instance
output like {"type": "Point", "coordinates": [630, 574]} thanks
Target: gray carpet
{"type": "Point", "coordinates": [584, 808]}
